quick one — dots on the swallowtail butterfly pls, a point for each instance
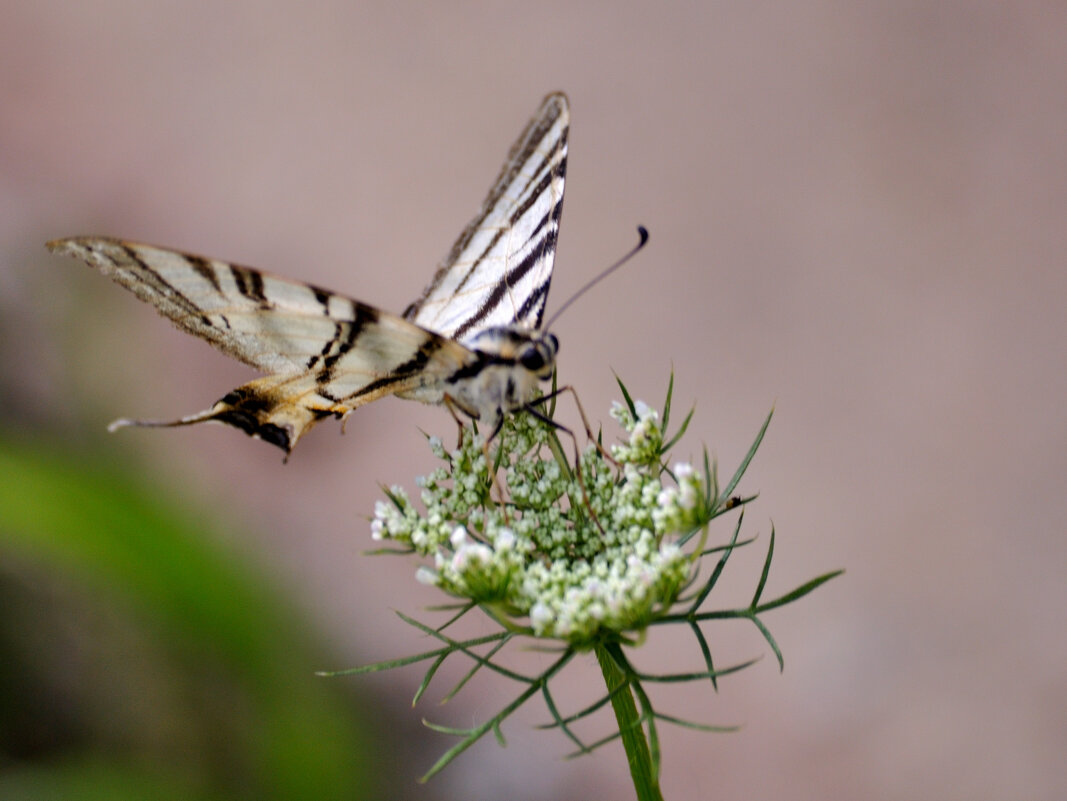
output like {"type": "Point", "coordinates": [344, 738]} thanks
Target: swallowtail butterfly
{"type": "Point", "coordinates": [472, 340]}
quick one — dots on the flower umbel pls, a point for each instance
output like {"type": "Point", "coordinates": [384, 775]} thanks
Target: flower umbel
{"type": "Point", "coordinates": [588, 553]}
{"type": "Point", "coordinates": [566, 557]}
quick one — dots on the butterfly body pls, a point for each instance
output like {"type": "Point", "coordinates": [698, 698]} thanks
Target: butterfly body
{"type": "Point", "coordinates": [504, 377]}
{"type": "Point", "coordinates": [471, 340]}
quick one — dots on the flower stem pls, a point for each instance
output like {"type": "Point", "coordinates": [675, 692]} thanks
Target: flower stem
{"type": "Point", "coordinates": [644, 773]}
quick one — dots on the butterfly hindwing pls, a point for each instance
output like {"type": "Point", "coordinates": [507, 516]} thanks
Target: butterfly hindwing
{"type": "Point", "coordinates": [326, 354]}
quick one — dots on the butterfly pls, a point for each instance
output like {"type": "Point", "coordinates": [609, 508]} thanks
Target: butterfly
{"type": "Point", "coordinates": [472, 340]}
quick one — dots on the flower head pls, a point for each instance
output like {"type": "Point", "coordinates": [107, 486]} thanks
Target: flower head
{"type": "Point", "coordinates": [575, 552]}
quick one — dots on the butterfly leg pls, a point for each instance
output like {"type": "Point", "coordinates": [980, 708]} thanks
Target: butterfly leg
{"type": "Point", "coordinates": [450, 404]}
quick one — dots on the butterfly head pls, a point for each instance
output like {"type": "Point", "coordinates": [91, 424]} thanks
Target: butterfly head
{"type": "Point", "coordinates": [533, 351]}
{"type": "Point", "coordinates": [509, 361]}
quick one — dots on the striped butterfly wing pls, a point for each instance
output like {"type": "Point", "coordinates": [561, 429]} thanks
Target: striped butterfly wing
{"type": "Point", "coordinates": [498, 271]}
{"type": "Point", "coordinates": [325, 354]}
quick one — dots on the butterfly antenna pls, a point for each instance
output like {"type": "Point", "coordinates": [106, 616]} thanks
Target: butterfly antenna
{"type": "Point", "coordinates": [642, 232]}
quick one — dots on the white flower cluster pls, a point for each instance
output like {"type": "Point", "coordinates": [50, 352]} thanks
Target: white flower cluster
{"type": "Point", "coordinates": [645, 435]}
{"type": "Point", "coordinates": [681, 507]}
{"type": "Point", "coordinates": [577, 558]}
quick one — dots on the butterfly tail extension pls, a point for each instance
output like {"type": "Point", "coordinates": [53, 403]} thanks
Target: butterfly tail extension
{"type": "Point", "coordinates": [267, 408]}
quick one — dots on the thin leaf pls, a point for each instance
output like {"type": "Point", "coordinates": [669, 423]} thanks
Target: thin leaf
{"type": "Point", "coordinates": [626, 397]}
{"type": "Point", "coordinates": [728, 546]}
{"type": "Point", "coordinates": [701, 617]}
{"type": "Point", "coordinates": [471, 736]}
{"type": "Point", "coordinates": [705, 649]}
{"type": "Point", "coordinates": [679, 433]}
{"type": "Point", "coordinates": [765, 572]}
{"type": "Point", "coordinates": [442, 729]}
{"type": "Point", "coordinates": [728, 490]}
{"type": "Point", "coordinates": [388, 664]}
{"type": "Point", "coordinates": [799, 592]}
{"type": "Point", "coordinates": [588, 710]}
{"type": "Point", "coordinates": [559, 722]}
{"type": "Point", "coordinates": [691, 724]}
{"type": "Point", "coordinates": [463, 609]}
{"type": "Point", "coordinates": [719, 566]}
{"type": "Point", "coordinates": [465, 647]}
{"type": "Point", "coordinates": [593, 746]}
{"type": "Point", "coordinates": [470, 674]}
{"type": "Point", "coordinates": [771, 642]}
{"type": "Point", "coordinates": [677, 678]}
{"type": "Point", "coordinates": [667, 403]}
{"type": "Point", "coordinates": [430, 673]}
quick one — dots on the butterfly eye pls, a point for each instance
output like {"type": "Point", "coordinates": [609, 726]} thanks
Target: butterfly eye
{"type": "Point", "coordinates": [532, 359]}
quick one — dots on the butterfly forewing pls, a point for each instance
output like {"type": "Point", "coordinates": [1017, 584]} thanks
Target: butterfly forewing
{"type": "Point", "coordinates": [498, 271]}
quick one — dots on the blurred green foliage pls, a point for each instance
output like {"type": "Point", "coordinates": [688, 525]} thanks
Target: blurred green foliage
{"type": "Point", "coordinates": [140, 660]}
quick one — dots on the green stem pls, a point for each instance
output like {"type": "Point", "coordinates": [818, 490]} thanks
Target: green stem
{"type": "Point", "coordinates": [645, 776]}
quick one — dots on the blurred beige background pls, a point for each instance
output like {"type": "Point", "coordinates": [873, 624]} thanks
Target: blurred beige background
{"type": "Point", "coordinates": [857, 214]}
